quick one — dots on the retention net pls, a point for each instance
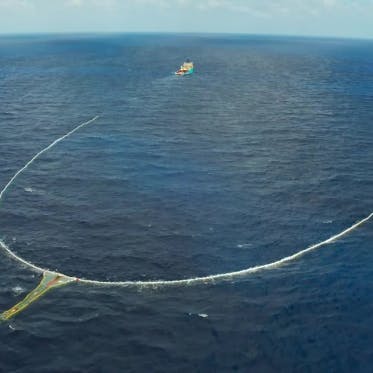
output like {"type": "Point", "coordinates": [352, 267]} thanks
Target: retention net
{"type": "Point", "coordinates": [51, 279]}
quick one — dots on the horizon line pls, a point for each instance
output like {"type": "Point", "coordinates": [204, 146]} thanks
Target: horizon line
{"type": "Point", "coordinates": [192, 33]}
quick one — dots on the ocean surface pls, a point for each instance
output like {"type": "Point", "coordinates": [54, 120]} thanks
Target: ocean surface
{"type": "Point", "coordinates": [266, 149]}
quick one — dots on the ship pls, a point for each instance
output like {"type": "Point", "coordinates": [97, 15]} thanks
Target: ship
{"type": "Point", "coordinates": [186, 68]}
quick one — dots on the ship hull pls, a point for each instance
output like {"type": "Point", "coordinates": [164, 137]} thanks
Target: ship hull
{"type": "Point", "coordinates": [181, 73]}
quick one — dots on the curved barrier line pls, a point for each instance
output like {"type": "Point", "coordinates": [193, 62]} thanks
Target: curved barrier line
{"type": "Point", "coordinates": [164, 283]}
{"type": "Point", "coordinates": [11, 181]}
{"type": "Point", "coordinates": [228, 275]}
{"type": "Point", "coordinates": [195, 280]}
{"type": "Point", "coordinates": [24, 262]}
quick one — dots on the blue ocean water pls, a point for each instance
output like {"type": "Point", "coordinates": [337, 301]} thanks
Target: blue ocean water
{"type": "Point", "coordinates": [266, 149]}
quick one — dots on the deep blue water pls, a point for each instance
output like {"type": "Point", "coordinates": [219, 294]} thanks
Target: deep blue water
{"type": "Point", "coordinates": [266, 149]}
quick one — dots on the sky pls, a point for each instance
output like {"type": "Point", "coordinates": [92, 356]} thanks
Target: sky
{"type": "Point", "coordinates": [340, 18]}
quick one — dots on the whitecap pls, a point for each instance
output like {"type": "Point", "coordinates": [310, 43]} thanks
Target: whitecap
{"type": "Point", "coordinates": [18, 290]}
{"type": "Point", "coordinates": [244, 245]}
{"type": "Point", "coordinates": [203, 315]}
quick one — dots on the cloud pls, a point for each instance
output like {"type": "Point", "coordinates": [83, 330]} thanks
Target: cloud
{"type": "Point", "coordinates": [334, 17]}
{"type": "Point", "coordinates": [330, 3]}
{"type": "Point", "coordinates": [74, 3]}
{"type": "Point", "coordinates": [260, 8]}
{"type": "Point", "coordinates": [94, 4]}
{"type": "Point", "coordinates": [235, 6]}
{"type": "Point", "coordinates": [254, 8]}
{"type": "Point", "coordinates": [16, 4]}
{"type": "Point", "coordinates": [231, 6]}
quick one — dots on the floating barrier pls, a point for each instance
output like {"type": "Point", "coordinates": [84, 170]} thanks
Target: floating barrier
{"type": "Point", "coordinates": [51, 279]}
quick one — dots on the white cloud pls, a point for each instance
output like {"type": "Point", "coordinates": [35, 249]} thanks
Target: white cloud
{"type": "Point", "coordinates": [231, 6]}
{"type": "Point", "coordinates": [262, 9]}
{"type": "Point", "coordinates": [254, 8]}
{"type": "Point", "coordinates": [74, 3]}
{"type": "Point", "coordinates": [330, 3]}
{"type": "Point", "coordinates": [335, 17]}
{"type": "Point", "coordinates": [16, 4]}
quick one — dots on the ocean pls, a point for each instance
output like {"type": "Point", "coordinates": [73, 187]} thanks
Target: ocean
{"type": "Point", "coordinates": [265, 150]}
